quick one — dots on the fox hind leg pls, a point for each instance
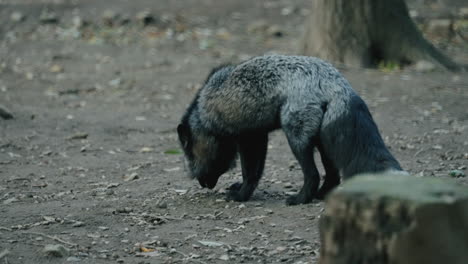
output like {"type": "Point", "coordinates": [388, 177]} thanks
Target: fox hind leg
{"type": "Point", "coordinates": [305, 156]}
{"type": "Point", "coordinates": [332, 175]}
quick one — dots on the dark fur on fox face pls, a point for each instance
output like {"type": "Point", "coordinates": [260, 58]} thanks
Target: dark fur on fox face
{"type": "Point", "coordinates": [208, 157]}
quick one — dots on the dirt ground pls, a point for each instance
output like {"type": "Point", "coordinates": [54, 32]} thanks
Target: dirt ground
{"type": "Point", "coordinates": [91, 159]}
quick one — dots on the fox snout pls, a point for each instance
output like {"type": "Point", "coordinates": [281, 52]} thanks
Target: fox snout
{"type": "Point", "coordinates": [208, 182]}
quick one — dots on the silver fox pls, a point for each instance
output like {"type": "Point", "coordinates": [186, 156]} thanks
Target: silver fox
{"type": "Point", "coordinates": [307, 98]}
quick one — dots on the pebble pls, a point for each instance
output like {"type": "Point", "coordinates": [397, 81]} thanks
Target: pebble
{"type": "Point", "coordinates": [424, 66]}
{"type": "Point", "coordinates": [224, 257]}
{"type": "Point", "coordinates": [48, 17]}
{"type": "Point", "coordinates": [162, 205]}
{"type": "Point", "coordinates": [55, 251]}
{"type": "Point", "coordinates": [457, 173]}
{"type": "Point", "coordinates": [145, 18]}
{"type": "Point", "coordinates": [17, 17]}
{"type": "Point", "coordinates": [4, 113]}
{"type": "Point", "coordinates": [73, 259]}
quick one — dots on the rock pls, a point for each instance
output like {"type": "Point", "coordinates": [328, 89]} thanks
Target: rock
{"type": "Point", "coordinates": [224, 257]}
{"type": "Point", "coordinates": [130, 177]}
{"type": "Point", "coordinates": [424, 66]}
{"type": "Point", "coordinates": [78, 224]}
{"type": "Point", "coordinates": [4, 113]}
{"type": "Point", "coordinates": [56, 68]}
{"type": "Point", "coordinates": [17, 17]}
{"type": "Point", "coordinates": [79, 135]}
{"type": "Point", "coordinates": [4, 253]}
{"type": "Point", "coordinates": [275, 31]}
{"type": "Point", "coordinates": [77, 22]}
{"type": "Point", "coordinates": [463, 12]}
{"type": "Point", "coordinates": [73, 259]}
{"type": "Point", "coordinates": [461, 28]}
{"type": "Point", "coordinates": [56, 251]}
{"type": "Point", "coordinates": [210, 243]}
{"type": "Point", "coordinates": [255, 27]}
{"type": "Point", "coordinates": [457, 173]}
{"type": "Point", "coordinates": [48, 17]}
{"type": "Point", "coordinates": [441, 28]}
{"type": "Point", "coordinates": [109, 17]}
{"type": "Point", "coordinates": [145, 18]}
{"type": "Point", "coordinates": [162, 205]}
{"type": "Point", "coordinates": [393, 218]}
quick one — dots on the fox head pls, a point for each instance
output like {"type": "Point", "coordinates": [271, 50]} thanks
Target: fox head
{"type": "Point", "coordinates": [207, 157]}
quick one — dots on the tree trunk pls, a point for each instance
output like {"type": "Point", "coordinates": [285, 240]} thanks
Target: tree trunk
{"type": "Point", "coordinates": [395, 219]}
{"type": "Point", "coordinates": [365, 33]}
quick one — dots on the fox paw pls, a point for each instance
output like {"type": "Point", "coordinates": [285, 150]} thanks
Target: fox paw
{"type": "Point", "coordinates": [235, 186]}
{"type": "Point", "coordinates": [297, 199]}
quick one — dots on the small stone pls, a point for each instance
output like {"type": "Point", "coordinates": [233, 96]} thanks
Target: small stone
{"type": "Point", "coordinates": [162, 205]}
{"type": "Point", "coordinates": [457, 173]}
{"type": "Point", "coordinates": [10, 200]}
{"type": "Point", "coordinates": [146, 150]}
{"type": "Point", "coordinates": [224, 257]}
{"type": "Point", "coordinates": [241, 206]}
{"type": "Point", "coordinates": [145, 18]}
{"type": "Point", "coordinates": [131, 177]}
{"type": "Point", "coordinates": [79, 135]}
{"type": "Point", "coordinates": [17, 17]}
{"type": "Point", "coordinates": [78, 224]}
{"type": "Point", "coordinates": [275, 31]}
{"type": "Point", "coordinates": [463, 12]}
{"type": "Point", "coordinates": [440, 28]}
{"type": "Point", "coordinates": [424, 66]}
{"type": "Point", "coordinates": [4, 113]}
{"type": "Point", "coordinates": [73, 259]}
{"type": "Point", "coordinates": [281, 249]}
{"type": "Point", "coordinates": [58, 251]}
{"type": "Point", "coordinates": [256, 27]}
{"type": "Point", "coordinates": [29, 76]}
{"type": "Point", "coordinates": [56, 68]}
{"type": "Point", "coordinates": [109, 17]}
{"type": "Point", "coordinates": [77, 22]}
{"type": "Point", "coordinates": [48, 17]}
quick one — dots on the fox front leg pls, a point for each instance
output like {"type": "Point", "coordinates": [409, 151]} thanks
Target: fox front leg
{"type": "Point", "coordinates": [252, 152]}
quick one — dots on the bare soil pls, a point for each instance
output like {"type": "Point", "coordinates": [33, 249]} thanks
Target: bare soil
{"type": "Point", "coordinates": [91, 159]}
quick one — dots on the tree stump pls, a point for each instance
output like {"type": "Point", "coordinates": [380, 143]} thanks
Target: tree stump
{"type": "Point", "coordinates": [365, 33]}
{"type": "Point", "coordinates": [395, 219]}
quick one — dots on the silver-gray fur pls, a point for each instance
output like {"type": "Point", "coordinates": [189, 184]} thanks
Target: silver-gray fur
{"type": "Point", "coordinates": [307, 97]}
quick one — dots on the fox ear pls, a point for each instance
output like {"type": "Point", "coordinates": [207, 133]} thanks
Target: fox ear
{"type": "Point", "coordinates": [184, 134]}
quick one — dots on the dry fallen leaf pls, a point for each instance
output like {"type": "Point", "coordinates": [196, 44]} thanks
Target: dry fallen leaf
{"type": "Point", "coordinates": [144, 249]}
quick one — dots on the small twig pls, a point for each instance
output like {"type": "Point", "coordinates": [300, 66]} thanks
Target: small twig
{"type": "Point", "coordinates": [5, 228]}
{"type": "Point", "coordinates": [51, 237]}
{"type": "Point", "coordinates": [19, 179]}
{"type": "Point", "coordinates": [418, 152]}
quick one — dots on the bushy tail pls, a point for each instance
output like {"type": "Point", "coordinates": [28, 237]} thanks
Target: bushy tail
{"type": "Point", "coordinates": [352, 140]}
